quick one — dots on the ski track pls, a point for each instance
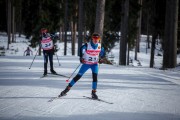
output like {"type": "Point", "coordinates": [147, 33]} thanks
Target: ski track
{"type": "Point", "coordinates": [132, 91]}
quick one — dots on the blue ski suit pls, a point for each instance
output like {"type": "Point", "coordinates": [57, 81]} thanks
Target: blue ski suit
{"type": "Point", "coordinates": [85, 65]}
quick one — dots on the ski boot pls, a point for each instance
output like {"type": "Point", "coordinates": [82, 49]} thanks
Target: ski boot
{"type": "Point", "coordinates": [45, 73]}
{"type": "Point", "coordinates": [63, 93]}
{"type": "Point", "coordinates": [53, 72]}
{"type": "Point", "coordinates": [93, 93]}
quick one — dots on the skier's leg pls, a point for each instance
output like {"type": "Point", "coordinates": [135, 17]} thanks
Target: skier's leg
{"type": "Point", "coordinates": [94, 82]}
{"type": "Point", "coordinates": [45, 62]}
{"type": "Point", "coordinates": [51, 63]}
{"type": "Point", "coordinates": [82, 70]}
{"type": "Point", "coordinates": [51, 60]}
{"type": "Point", "coordinates": [94, 69]}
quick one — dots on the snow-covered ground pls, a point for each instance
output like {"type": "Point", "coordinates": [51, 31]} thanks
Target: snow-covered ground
{"type": "Point", "coordinates": [137, 93]}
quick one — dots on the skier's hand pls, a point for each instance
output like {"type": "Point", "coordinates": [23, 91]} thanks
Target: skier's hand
{"type": "Point", "coordinates": [81, 60]}
{"type": "Point", "coordinates": [101, 61]}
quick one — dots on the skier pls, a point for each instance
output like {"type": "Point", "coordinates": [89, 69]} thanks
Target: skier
{"type": "Point", "coordinates": [90, 54]}
{"type": "Point", "coordinates": [48, 50]}
{"type": "Point", "coordinates": [28, 51]}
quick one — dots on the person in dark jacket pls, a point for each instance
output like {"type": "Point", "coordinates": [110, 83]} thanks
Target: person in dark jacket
{"type": "Point", "coordinates": [48, 50]}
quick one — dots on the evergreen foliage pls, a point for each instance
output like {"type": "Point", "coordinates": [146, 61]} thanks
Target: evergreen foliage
{"type": "Point", "coordinates": [109, 40]}
{"type": "Point", "coordinates": [31, 16]}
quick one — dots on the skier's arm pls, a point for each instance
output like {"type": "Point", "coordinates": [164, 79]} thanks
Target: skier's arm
{"type": "Point", "coordinates": [102, 53]}
{"type": "Point", "coordinates": [83, 48]}
{"type": "Point", "coordinates": [52, 36]}
{"type": "Point", "coordinates": [25, 52]}
{"type": "Point", "coordinates": [102, 56]}
{"type": "Point", "coordinates": [82, 51]}
{"type": "Point", "coordinates": [40, 38]}
{"type": "Point", "coordinates": [31, 52]}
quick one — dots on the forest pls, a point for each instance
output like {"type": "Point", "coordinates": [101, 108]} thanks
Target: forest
{"type": "Point", "coordinates": [115, 20]}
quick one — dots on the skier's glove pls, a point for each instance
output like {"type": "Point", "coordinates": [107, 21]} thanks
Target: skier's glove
{"type": "Point", "coordinates": [101, 61]}
{"type": "Point", "coordinates": [81, 60]}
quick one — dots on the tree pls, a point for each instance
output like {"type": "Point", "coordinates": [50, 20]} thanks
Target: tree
{"type": "Point", "coordinates": [89, 12]}
{"type": "Point", "coordinates": [138, 31]}
{"type": "Point", "coordinates": [3, 13]}
{"type": "Point", "coordinates": [156, 13]}
{"type": "Point", "coordinates": [170, 36]}
{"type": "Point", "coordinates": [99, 24]}
{"type": "Point", "coordinates": [133, 25]}
{"type": "Point", "coordinates": [66, 26]}
{"type": "Point", "coordinates": [18, 14]}
{"type": "Point", "coordinates": [153, 31]}
{"type": "Point", "coordinates": [124, 32]}
{"type": "Point", "coordinates": [154, 36]}
{"type": "Point", "coordinates": [74, 26]}
{"type": "Point", "coordinates": [80, 24]}
{"type": "Point", "coordinates": [13, 21]}
{"type": "Point", "coordinates": [9, 22]}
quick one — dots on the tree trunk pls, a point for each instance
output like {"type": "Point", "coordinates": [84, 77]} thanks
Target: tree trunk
{"type": "Point", "coordinates": [128, 54]}
{"type": "Point", "coordinates": [124, 32]}
{"type": "Point", "coordinates": [13, 23]}
{"type": "Point", "coordinates": [9, 23]}
{"type": "Point", "coordinates": [170, 36]}
{"type": "Point", "coordinates": [153, 30]}
{"type": "Point", "coordinates": [148, 41]}
{"type": "Point", "coordinates": [73, 24]}
{"type": "Point", "coordinates": [148, 36]}
{"type": "Point", "coordinates": [99, 24]}
{"type": "Point", "coordinates": [65, 27]}
{"type": "Point", "coordinates": [20, 19]}
{"type": "Point", "coordinates": [138, 30]}
{"type": "Point", "coordinates": [152, 50]}
{"type": "Point", "coordinates": [40, 10]}
{"type": "Point", "coordinates": [74, 27]}
{"type": "Point", "coordinates": [80, 24]}
{"type": "Point", "coordinates": [60, 33]}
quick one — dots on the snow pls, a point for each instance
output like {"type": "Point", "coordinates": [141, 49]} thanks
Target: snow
{"type": "Point", "coordinates": [137, 92]}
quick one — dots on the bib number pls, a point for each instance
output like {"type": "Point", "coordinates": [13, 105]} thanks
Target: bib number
{"type": "Point", "coordinates": [92, 59]}
{"type": "Point", "coordinates": [47, 44]}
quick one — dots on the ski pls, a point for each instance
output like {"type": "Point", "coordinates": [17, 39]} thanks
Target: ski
{"type": "Point", "coordinates": [98, 99]}
{"type": "Point", "coordinates": [53, 98]}
{"type": "Point", "coordinates": [43, 76]}
{"type": "Point", "coordinates": [59, 75]}
{"type": "Point", "coordinates": [54, 74]}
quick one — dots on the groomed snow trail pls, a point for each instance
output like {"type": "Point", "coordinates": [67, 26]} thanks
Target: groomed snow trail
{"type": "Point", "coordinates": [137, 93]}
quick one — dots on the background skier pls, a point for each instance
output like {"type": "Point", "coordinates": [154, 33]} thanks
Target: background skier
{"type": "Point", "coordinates": [48, 50]}
{"type": "Point", "coordinates": [28, 52]}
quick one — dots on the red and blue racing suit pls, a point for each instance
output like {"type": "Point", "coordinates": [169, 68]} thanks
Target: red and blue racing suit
{"type": "Point", "coordinates": [90, 54]}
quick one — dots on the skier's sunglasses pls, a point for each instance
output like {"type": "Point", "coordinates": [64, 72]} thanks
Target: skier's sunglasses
{"type": "Point", "coordinates": [44, 31]}
{"type": "Point", "coordinates": [95, 37]}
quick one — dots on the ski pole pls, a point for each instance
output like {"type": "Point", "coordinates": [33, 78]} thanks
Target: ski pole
{"type": "Point", "coordinates": [73, 73]}
{"type": "Point", "coordinates": [58, 59]}
{"type": "Point", "coordinates": [33, 59]}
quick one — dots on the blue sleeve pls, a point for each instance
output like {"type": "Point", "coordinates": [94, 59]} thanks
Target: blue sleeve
{"type": "Point", "coordinates": [102, 53]}
{"type": "Point", "coordinates": [83, 47]}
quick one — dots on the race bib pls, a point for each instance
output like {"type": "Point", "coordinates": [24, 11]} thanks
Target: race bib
{"type": "Point", "coordinates": [91, 55]}
{"type": "Point", "coordinates": [46, 43]}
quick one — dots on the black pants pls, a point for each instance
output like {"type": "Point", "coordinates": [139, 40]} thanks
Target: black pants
{"type": "Point", "coordinates": [48, 54]}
